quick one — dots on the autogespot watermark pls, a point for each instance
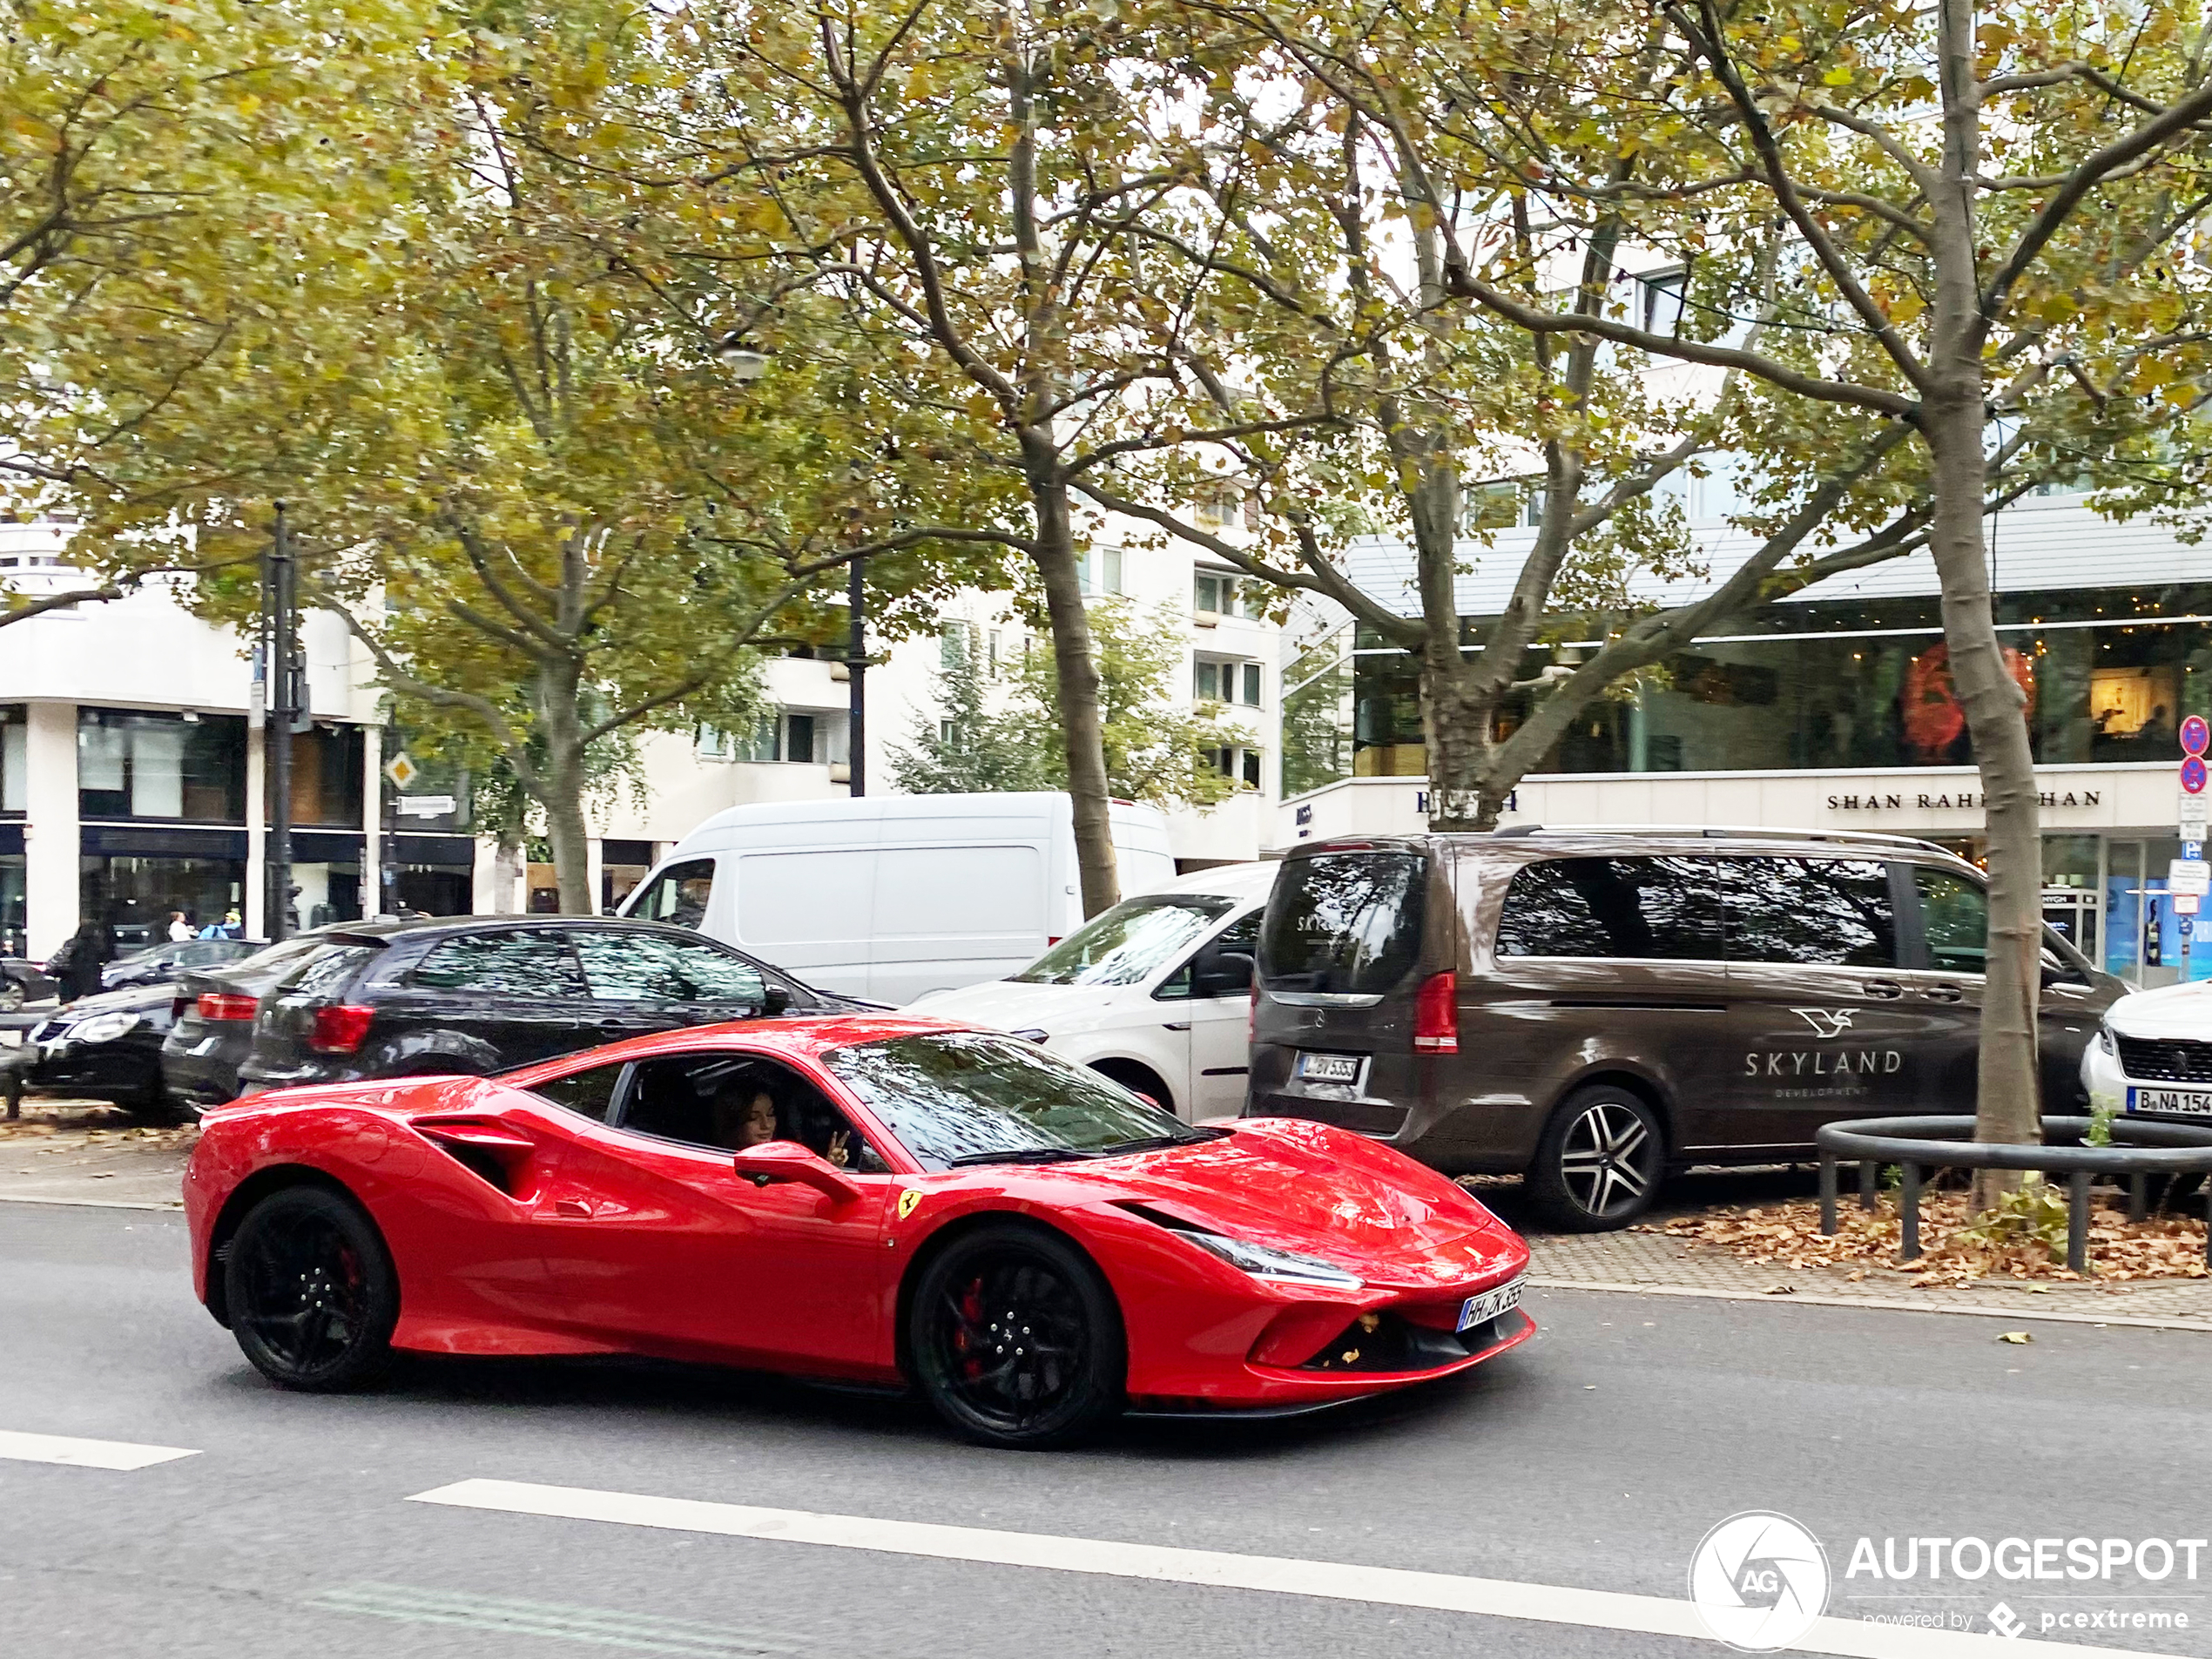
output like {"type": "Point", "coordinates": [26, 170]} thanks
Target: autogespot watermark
{"type": "Point", "coordinates": [1760, 1580]}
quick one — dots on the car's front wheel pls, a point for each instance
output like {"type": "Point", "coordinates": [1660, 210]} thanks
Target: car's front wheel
{"type": "Point", "coordinates": [12, 996]}
{"type": "Point", "coordinates": [1016, 1340]}
{"type": "Point", "coordinates": [310, 1292]}
{"type": "Point", "coordinates": [1599, 1163]}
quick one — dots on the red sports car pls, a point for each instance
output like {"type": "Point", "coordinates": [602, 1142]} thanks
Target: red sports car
{"type": "Point", "coordinates": [875, 1198]}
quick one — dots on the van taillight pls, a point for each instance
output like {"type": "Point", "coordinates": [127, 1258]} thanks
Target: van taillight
{"type": "Point", "coordinates": [340, 1028]}
{"type": "Point", "coordinates": [1436, 1015]}
{"type": "Point", "coordinates": [1251, 1015]}
{"type": "Point", "coordinates": [223, 1005]}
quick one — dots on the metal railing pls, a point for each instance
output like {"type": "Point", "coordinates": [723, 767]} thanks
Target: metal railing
{"type": "Point", "coordinates": [1915, 1143]}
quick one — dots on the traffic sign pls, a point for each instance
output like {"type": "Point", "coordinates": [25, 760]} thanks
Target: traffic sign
{"type": "Point", "coordinates": [2193, 849]}
{"type": "Point", "coordinates": [403, 771]}
{"type": "Point", "coordinates": [2185, 904]}
{"type": "Point", "coordinates": [425, 806]}
{"type": "Point", "coordinates": [2193, 775]}
{"type": "Point", "coordinates": [2196, 735]}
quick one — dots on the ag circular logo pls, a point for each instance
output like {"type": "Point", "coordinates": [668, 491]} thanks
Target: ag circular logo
{"type": "Point", "coordinates": [1758, 1581]}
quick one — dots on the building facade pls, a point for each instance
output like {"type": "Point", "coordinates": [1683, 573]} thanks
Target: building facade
{"type": "Point", "coordinates": [1834, 709]}
{"type": "Point", "coordinates": [132, 758]}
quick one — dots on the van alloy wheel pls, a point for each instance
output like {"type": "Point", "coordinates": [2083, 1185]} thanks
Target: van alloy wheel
{"type": "Point", "coordinates": [1600, 1161]}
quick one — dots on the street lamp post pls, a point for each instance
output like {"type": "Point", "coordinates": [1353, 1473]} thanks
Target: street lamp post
{"type": "Point", "coordinates": [856, 665]}
{"type": "Point", "coordinates": [281, 623]}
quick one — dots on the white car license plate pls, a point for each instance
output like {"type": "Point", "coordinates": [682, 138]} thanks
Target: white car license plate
{"type": "Point", "coordinates": [1480, 1310]}
{"type": "Point", "coordinates": [2182, 1102]}
{"type": "Point", "coordinates": [1328, 1068]}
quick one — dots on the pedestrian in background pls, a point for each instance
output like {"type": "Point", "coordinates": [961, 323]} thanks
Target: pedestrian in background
{"type": "Point", "coordinates": [179, 930]}
{"type": "Point", "coordinates": [77, 963]}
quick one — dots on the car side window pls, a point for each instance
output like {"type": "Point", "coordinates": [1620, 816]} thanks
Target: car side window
{"type": "Point", "coordinates": [591, 1092]}
{"type": "Point", "coordinates": [1954, 920]}
{"type": "Point", "coordinates": [514, 961]}
{"type": "Point", "coordinates": [728, 1100]}
{"type": "Point", "coordinates": [678, 895]}
{"type": "Point", "coordinates": [1809, 911]}
{"type": "Point", "coordinates": [1665, 909]}
{"type": "Point", "coordinates": [1241, 935]}
{"type": "Point", "coordinates": [642, 967]}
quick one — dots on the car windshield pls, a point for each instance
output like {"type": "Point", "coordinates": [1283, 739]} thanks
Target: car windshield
{"type": "Point", "coordinates": [1136, 938]}
{"type": "Point", "coordinates": [976, 1097]}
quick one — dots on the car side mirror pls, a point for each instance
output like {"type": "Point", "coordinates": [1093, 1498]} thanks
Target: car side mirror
{"type": "Point", "coordinates": [1227, 973]}
{"type": "Point", "coordinates": [789, 1161]}
{"type": "Point", "coordinates": [774, 998]}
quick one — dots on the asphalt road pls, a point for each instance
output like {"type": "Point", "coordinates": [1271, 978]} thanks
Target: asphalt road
{"type": "Point", "coordinates": [1595, 1458]}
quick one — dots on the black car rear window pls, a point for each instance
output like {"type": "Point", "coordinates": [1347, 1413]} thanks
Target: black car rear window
{"type": "Point", "coordinates": [1343, 922]}
{"type": "Point", "coordinates": [327, 968]}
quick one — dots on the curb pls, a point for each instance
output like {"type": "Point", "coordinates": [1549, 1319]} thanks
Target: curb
{"type": "Point", "coordinates": [176, 1208]}
{"type": "Point", "coordinates": [1887, 1303]}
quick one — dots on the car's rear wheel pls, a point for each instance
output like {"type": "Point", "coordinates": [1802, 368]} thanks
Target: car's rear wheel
{"type": "Point", "coordinates": [12, 996]}
{"type": "Point", "coordinates": [311, 1292]}
{"type": "Point", "coordinates": [1599, 1163]}
{"type": "Point", "coordinates": [1016, 1340]}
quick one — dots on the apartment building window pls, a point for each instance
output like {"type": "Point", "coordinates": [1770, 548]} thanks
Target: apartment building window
{"type": "Point", "coordinates": [800, 737]}
{"type": "Point", "coordinates": [1100, 570]}
{"type": "Point", "coordinates": [1236, 762]}
{"type": "Point", "coordinates": [1661, 294]}
{"type": "Point", "coordinates": [1219, 682]}
{"type": "Point", "coordinates": [1223, 596]}
{"type": "Point", "coordinates": [712, 742]}
{"type": "Point", "coordinates": [956, 644]}
{"type": "Point", "coordinates": [1217, 508]}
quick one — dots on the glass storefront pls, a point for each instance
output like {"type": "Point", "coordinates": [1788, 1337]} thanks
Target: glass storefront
{"type": "Point", "coordinates": [13, 936]}
{"type": "Point", "coordinates": [135, 895]}
{"type": "Point", "coordinates": [15, 760]}
{"type": "Point", "coordinates": [1811, 687]}
{"type": "Point", "coordinates": [184, 768]}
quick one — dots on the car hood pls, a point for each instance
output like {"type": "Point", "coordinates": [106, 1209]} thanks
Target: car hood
{"type": "Point", "coordinates": [1006, 1005]}
{"type": "Point", "coordinates": [2170, 1011]}
{"type": "Point", "coordinates": [1321, 1191]}
{"type": "Point", "coordinates": [133, 997]}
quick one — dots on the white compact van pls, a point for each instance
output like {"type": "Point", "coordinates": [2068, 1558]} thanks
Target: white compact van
{"type": "Point", "coordinates": [892, 896]}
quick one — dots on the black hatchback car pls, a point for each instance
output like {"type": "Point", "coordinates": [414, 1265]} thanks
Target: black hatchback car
{"type": "Point", "coordinates": [481, 994]}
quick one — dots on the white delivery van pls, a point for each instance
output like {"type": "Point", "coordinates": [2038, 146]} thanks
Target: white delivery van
{"type": "Point", "coordinates": [1155, 993]}
{"type": "Point", "coordinates": [892, 896]}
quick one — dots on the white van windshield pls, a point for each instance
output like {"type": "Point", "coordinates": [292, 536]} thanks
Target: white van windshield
{"type": "Point", "coordinates": [1136, 938]}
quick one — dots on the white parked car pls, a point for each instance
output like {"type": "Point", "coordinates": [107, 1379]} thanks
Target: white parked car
{"type": "Point", "coordinates": [1155, 993]}
{"type": "Point", "coordinates": [890, 896]}
{"type": "Point", "coordinates": [2153, 1055]}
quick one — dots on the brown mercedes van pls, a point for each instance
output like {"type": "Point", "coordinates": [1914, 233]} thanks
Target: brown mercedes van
{"type": "Point", "coordinates": [1592, 1007]}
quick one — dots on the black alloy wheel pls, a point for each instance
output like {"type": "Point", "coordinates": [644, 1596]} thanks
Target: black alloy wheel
{"type": "Point", "coordinates": [310, 1292]}
{"type": "Point", "coordinates": [1016, 1341]}
{"type": "Point", "coordinates": [1600, 1162]}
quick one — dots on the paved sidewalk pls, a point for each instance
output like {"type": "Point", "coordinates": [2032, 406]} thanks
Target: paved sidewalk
{"type": "Point", "coordinates": [1655, 1261]}
{"type": "Point", "coordinates": [81, 1151]}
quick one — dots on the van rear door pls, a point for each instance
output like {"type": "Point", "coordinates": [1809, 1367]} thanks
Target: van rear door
{"type": "Point", "coordinates": [1340, 959]}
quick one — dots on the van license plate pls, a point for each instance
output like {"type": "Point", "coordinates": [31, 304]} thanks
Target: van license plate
{"type": "Point", "coordinates": [1480, 1310]}
{"type": "Point", "coordinates": [2182, 1102]}
{"type": "Point", "coordinates": [1328, 1068]}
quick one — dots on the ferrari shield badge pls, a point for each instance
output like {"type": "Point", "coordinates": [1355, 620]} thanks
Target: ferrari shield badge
{"type": "Point", "coordinates": [907, 1200]}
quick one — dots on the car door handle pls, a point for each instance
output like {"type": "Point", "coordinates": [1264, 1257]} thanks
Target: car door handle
{"type": "Point", "coordinates": [578, 1209]}
{"type": "Point", "coordinates": [1882, 988]}
{"type": "Point", "coordinates": [1178, 1025]}
{"type": "Point", "coordinates": [1944, 994]}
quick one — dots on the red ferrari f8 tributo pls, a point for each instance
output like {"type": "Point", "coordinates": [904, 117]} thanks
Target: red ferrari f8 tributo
{"type": "Point", "coordinates": [869, 1198]}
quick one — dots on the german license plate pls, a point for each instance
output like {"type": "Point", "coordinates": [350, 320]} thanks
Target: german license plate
{"type": "Point", "coordinates": [1480, 1310]}
{"type": "Point", "coordinates": [1328, 1068]}
{"type": "Point", "coordinates": [2182, 1102]}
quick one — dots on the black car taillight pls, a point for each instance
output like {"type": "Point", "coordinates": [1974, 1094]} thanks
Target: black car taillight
{"type": "Point", "coordinates": [339, 1028]}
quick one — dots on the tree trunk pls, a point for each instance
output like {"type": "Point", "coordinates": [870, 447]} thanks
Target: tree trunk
{"type": "Point", "coordinates": [562, 794]}
{"type": "Point", "coordinates": [1456, 715]}
{"type": "Point", "coordinates": [2007, 1106]}
{"type": "Point", "coordinates": [1081, 733]}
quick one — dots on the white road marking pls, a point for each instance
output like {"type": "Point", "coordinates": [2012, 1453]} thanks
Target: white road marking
{"type": "Point", "coordinates": [1336, 1580]}
{"type": "Point", "coordinates": [85, 1455]}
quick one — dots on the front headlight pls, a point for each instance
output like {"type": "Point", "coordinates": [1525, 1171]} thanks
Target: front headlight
{"type": "Point", "coordinates": [2105, 1040]}
{"type": "Point", "coordinates": [1264, 1261]}
{"type": "Point", "coordinates": [101, 1028]}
